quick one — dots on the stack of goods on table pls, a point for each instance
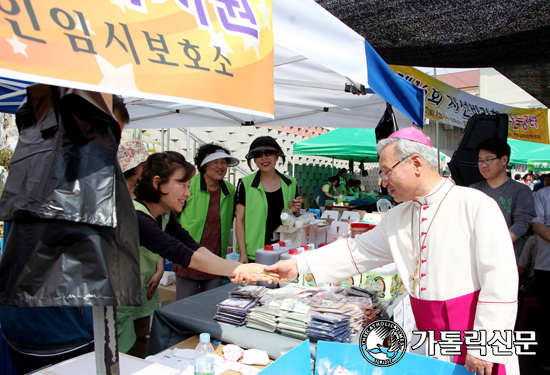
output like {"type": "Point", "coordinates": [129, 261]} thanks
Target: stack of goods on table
{"type": "Point", "coordinates": [235, 309]}
{"type": "Point", "coordinates": [263, 318]}
{"type": "Point", "coordinates": [328, 313]}
{"type": "Point", "coordinates": [252, 292]}
{"type": "Point", "coordinates": [294, 325]}
{"type": "Point", "coordinates": [329, 327]}
{"type": "Point", "coordinates": [362, 299]}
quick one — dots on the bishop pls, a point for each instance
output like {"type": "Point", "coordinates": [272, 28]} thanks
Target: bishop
{"type": "Point", "coordinates": [451, 247]}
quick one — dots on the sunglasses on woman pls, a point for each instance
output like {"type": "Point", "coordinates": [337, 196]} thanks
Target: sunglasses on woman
{"type": "Point", "coordinates": [259, 154]}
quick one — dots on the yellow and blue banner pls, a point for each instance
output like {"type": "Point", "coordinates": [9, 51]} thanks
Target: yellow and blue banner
{"type": "Point", "coordinates": [452, 106]}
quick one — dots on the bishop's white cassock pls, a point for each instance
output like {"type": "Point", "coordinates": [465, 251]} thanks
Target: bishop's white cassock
{"type": "Point", "coordinates": [466, 251]}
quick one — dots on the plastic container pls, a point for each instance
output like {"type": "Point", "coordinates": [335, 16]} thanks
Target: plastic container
{"type": "Point", "coordinates": [360, 227]}
{"type": "Point", "coordinates": [292, 253]}
{"type": "Point", "coordinates": [217, 343]}
{"type": "Point", "coordinates": [233, 257]}
{"type": "Point", "coordinates": [269, 255]}
{"type": "Point", "coordinates": [287, 217]}
{"type": "Point", "coordinates": [204, 356]}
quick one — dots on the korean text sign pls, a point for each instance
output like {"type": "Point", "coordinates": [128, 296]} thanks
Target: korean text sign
{"type": "Point", "coordinates": [452, 106]}
{"type": "Point", "coordinates": [215, 53]}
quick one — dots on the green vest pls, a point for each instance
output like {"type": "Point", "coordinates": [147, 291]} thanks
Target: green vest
{"type": "Point", "coordinates": [193, 217]}
{"type": "Point", "coordinates": [127, 314]}
{"type": "Point", "coordinates": [255, 216]}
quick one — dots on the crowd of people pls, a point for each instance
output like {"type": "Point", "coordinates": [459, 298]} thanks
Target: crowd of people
{"type": "Point", "coordinates": [185, 212]}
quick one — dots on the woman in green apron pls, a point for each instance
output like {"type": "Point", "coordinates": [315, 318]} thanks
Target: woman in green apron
{"type": "Point", "coordinates": [161, 192]}
{"type": "Point", "coordinates": [261, 197]}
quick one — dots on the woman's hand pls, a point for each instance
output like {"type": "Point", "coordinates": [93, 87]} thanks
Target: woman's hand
{"type": "Point", "coordinates": [252, 273]}
{"type": "Point", "coordinates": [295, 205]}
{"type": "Point", "coordinates": [153, 283]}
{"type": "Point", "coordinates": [243, 257]}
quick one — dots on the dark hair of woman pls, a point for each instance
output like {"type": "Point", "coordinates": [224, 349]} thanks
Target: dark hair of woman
{"type": "Point", "coordinates": [164, 165]}
{"type": "Point", "coordinates": [129, 173]}
{"type": "Point", "coordinates": [204, 151]}
{"type": "Point", "coordinates": [283, 158]}
{"type": "Point", "coordinates": [343, 170]}
{"type": "Point", "coordinates": [335, 178]}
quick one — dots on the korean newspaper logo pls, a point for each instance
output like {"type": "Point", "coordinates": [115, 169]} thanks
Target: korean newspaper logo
{"type": "Point", "coordinates": [383, 343]}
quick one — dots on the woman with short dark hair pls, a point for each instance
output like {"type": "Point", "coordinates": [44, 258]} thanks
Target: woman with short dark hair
{"type": "Point", "coordinates": [208, 215]}
{"type": "Point", "coordinates": [261, 197]}
{"type": "Point", "coordinates": [162, 191]}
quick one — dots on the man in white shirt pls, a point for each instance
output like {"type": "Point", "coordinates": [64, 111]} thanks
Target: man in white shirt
{"type": "Point", "coordinates": [450, 244]}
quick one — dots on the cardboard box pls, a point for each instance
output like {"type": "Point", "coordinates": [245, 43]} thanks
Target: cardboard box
{"type": "Point", "coordinates": [362, 213]}
{"type": "Point", "coordinates": [340, 209]}
{"type": "Point", "coordinates": [312, 233]}
{"type": "Point", "coordinates": [331, 214]}
{"type": "Point", "coordinates": [337, 229]}
{"type": "Point", "coordinates": [167, 294]}
{"type": "Point", "coordinates": [317, 235]}
{"type": "Point", "coordinates": [350, 216]}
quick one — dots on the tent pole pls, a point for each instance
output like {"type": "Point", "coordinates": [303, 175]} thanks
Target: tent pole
{"type": "Point", "coordinates": [438, 148]}
{"type": "Point", "coordinates": [106, 340]}
{"type": "Point", "coordinates": [162, 142]}
{"type": "Point", "coordinates": [168, 139]}
{"type": "Point", "coordinates": [188, 142]}
{"type": "Point", "coordinates": [293, 166]}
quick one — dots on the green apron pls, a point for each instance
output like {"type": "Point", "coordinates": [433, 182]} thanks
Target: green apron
{"type": "Point", "coordinates": [127, 314]}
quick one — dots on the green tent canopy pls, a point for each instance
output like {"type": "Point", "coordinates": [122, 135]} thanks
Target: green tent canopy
{"type": "Point", "coordinates": [342, 143]}
{"type": "Point", "coordinates": [346, 144]}
{"type": "Point", "coordinates": [523, 151]}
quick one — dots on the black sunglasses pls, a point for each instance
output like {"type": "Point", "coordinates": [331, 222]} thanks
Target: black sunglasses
{"type": "Point", "coordinates": [258, 154]}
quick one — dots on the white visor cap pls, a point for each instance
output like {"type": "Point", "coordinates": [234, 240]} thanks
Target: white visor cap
{"type": "Point", "coordinates": [221, 154]}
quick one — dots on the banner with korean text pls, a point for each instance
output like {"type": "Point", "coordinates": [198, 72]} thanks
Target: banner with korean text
{"type": "Point", "coordinates": [214, 53]}
{"type": "Point", "coordinates": [452, 106]}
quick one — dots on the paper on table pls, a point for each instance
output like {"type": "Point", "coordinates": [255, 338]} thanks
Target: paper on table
{"type": "Point", "coordinates": [85, 365]}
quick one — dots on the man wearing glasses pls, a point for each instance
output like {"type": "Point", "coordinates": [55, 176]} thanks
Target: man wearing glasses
{"type": "Point", "coordinates": [450, 245]}
{"type": "Point", "coordinates": [515, 200]}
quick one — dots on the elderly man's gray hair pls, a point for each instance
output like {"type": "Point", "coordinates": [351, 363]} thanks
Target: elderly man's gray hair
{"type": "Point", "coordinates": [404, 148]}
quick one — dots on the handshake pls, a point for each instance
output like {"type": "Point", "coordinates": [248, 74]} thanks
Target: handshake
{"type": "Point", "coordinates": [280, 272]}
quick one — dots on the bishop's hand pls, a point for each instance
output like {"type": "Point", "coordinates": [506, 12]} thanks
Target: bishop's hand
{"type": "Point", "coordinates": [252, 273]}
{"type": "Point", "coordinates": [478, 366]}
{"type": "Point", "coordinates": [286, 269]}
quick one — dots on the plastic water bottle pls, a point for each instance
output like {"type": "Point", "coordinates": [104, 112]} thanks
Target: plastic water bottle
{"type": "Point", "coordinates": [204, 356]}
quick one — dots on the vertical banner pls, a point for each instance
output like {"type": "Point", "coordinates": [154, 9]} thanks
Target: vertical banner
{"type": "Point", "coordinates": [215, 53]}
{"type": "Point", "coordinates": [452, 106]}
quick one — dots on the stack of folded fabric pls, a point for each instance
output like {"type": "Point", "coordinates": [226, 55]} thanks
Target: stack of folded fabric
{"type": "Point", "coordinates": [253, 292]}
{"type": "Point", "coordinates": [329, 327]}
{"type": "Point", "coordinates": [355, 291]}
{"type": "Point", "coordinates": [363, 299]}
{"type": "Point", "coordinates": [234, 311]}
{"type": "Point", "coordinates": [294, 325]}
{"type": "Point", "coordinates": [263, 318]}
